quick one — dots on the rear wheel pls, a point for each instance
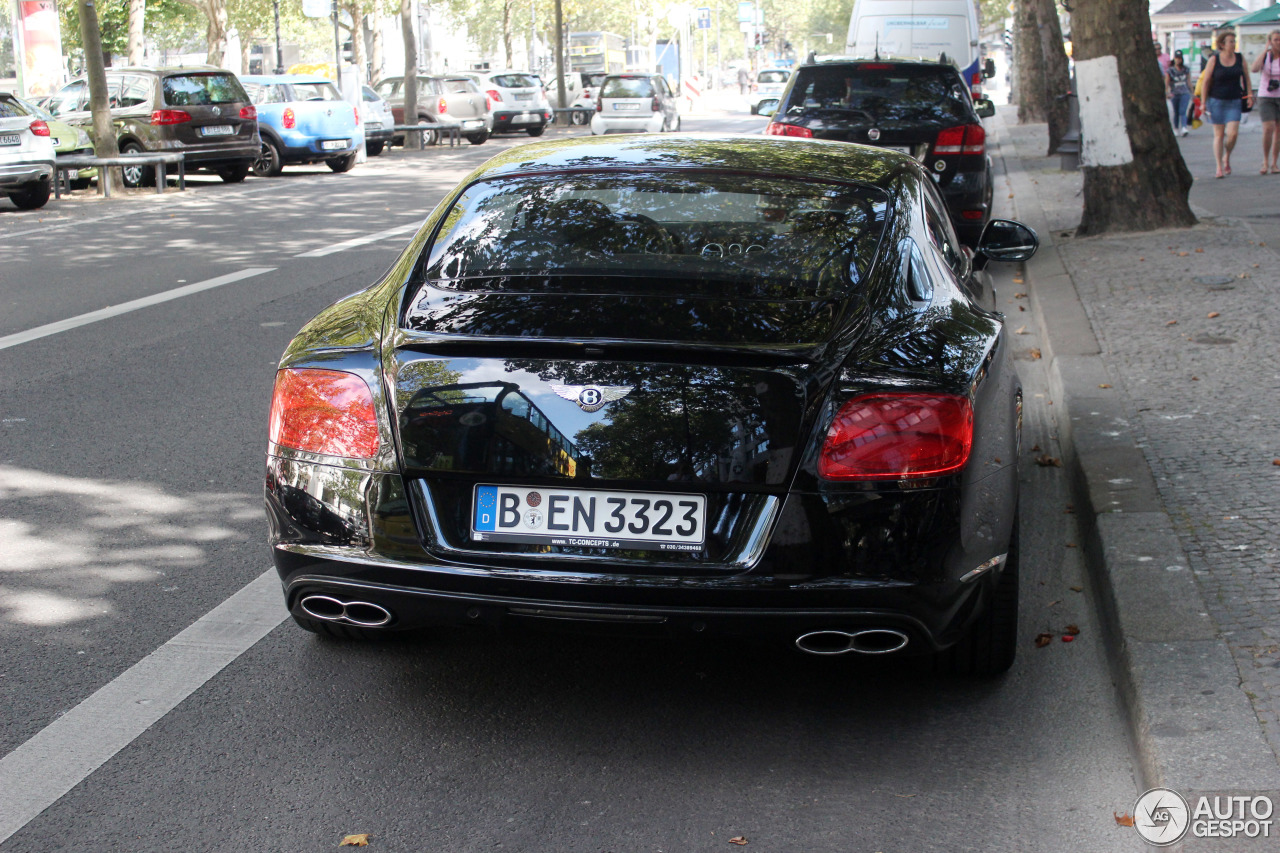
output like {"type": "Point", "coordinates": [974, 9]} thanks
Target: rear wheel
{"type": "Point", "coordinates": [341, 164]}
{"type": "Point", "coordinates": [578, 117]}
{"type": "Point", "coordinates": [536, 131]}
{"type": "Point", "coordinates": [33, 195]}
{"type": "Point", "coordinates": [992, 641]}
{"type": "Point", "coordinates": [373, 149]}
{"type": "Point", "coordinates": [139, 175]}
{"type": "Point", "coordinates": [429, 137]}
{"type": "Point", "coordinates": [478, 138]}
{"type": "Point", "coordinates": [268, 164]}
{"type": "Point", "coordinates": [233, 174]}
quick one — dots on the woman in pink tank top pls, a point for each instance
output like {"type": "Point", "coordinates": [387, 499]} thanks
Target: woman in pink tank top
{"type": "Point", "coordinates": [1268, 65]}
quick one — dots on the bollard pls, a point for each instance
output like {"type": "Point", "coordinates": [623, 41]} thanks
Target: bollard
{"type": "Point", "coordinates": [1069, 148]}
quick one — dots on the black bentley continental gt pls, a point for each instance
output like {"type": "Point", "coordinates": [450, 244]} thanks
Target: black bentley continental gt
{"type": "Point", "coordinates": [678, 385]}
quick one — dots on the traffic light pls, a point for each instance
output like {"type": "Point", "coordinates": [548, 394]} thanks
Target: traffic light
{"type": "Point", "coordinates": [758, 40]}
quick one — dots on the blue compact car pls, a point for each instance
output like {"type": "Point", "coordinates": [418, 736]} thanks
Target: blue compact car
{"type": "Point", "coordinates": [302, 119]}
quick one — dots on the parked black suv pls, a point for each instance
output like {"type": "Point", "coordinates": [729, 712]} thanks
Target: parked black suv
{"type": "Point", "coordinates": [202, 112]}
{"type": "Point", "coordinates": [923, 109]}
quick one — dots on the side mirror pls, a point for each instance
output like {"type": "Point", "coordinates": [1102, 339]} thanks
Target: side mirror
{"type": "Point", "coordinates": [767, 107]}
{"type": "Point", "coordinates": [989, 70]}
{"type": "Point", "coordinates": [985, 107]}
{"type": "Point", "coordinates": [1006, 240]}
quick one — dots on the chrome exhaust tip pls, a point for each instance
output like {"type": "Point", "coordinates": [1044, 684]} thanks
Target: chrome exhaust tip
{"type": "Point", "coordinates": [363, 614]}
{"type": "Point", "coordinates": [871, 641]}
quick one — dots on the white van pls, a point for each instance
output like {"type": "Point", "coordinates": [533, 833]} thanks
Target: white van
{"type": "Point", "coordinates": [920, 29]}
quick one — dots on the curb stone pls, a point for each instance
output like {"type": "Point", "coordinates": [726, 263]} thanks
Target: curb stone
{"type": "Point", "coordinates": [1193, 727]}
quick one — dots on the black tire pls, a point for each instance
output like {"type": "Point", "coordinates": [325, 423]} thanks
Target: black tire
{"type": "Point", "coordinates": [234, 174]}
{"type": "Point", "coordinates": [430, 137]}
{"type": "Point", "coordinates": [477, 138]}
{"type": "Point", "coordinates": [136, 176]}
{"type": "Point", "coordinates": [336, 630]}
{"type": "Point", "coordinates": [373, 149]}
{"type": "Point", "coordinates": [753, 109]}
{"type": "Point", "coordinates": [342, 164]}
{"type": "Point", "coordinates": [991, 644]}
{"type": "Point", "coordinates": [536, 131]}
{"type": "Point", "coordinates": [268, 164]}
{"type": "Point", "coordinates": [676, 129]}
{"type": "Point", "coordinates": [33, 196]}
{"type": "Point", "coordinates": [578, 117]}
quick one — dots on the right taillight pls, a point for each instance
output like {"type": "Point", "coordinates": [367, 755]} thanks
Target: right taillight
{"type": "Point", "coordinates": [965, 139]}
{"type": "Point", "coordinates": [896, 436]}
{"type": "Point", "coordinates": [495, 95]}
{"type": "Point", "coordinates": [290, 121]}
{"type": "Point", "coordinates": [779, 129]}
{"type": "Point", "coordinates": [170, 117]}
{"type": "Point", "coordinates": [656, 106]}
{"type": "Point", "coordinates": [39, 128]}
{"type": "Point", "coordinates": [442, 107]}
{"type": "Point", "coordinates": [599, 104]}
{"type": "Point", "coordinates": [324, 411]}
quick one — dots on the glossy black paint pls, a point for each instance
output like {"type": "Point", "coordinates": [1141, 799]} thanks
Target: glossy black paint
{"type": "Point", "coordinates": [788, 552]}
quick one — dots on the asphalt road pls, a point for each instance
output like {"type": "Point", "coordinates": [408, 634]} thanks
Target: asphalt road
{"type": "Point", "coordinates": [131, 461]}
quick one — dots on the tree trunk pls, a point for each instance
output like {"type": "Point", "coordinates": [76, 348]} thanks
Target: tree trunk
{"type": "Point", "coordinates": [137, 17]}
{"type": "Point", "coordinates": [559, 54]}
{"type": "Point", "coordinates": [411, 140]}
{"type": "Point", "coordinates": [1029, 63]}
{"type": "Point", "coordinates": [1057, 79]}
{"type": "Point", "coordinates": [506, 32]}
{"type": "Point", "coordinates": [375, 72]}
{"type": "Point", "coordinates": [1134, 175]}
{"type": "Point", "coordinates": [104, 134]}
{"type": "Point", "coordinates": [215, 12]}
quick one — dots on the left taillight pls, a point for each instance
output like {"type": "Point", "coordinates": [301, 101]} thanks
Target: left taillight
{"type": "Point", "coordinates": [39, 128]}
{"type": "Point", "coordinates": [249, 112]}
{"type": "Point", "coordinates": [442, 107]}
{"type": "Point", "coordinates": [779, 129]}
{"type": "Point", "coordinates": [965, 139]}
{"type": "Point", "coordinates": [656, 106]}
{"type": "Point", "coordinates": [324, 411]}
{"type": "Point", "coordinates": [897, 436]}
{"type": "Point", "coordinates": [163, 117]}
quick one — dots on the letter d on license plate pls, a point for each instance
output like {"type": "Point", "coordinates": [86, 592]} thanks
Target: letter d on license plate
{"type": "Point", "coordinates": [582, 518]}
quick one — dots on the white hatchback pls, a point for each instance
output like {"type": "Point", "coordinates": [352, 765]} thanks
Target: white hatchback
{"type": "Point", "coordinates": [635, 102]}
{"type": "Point", "coordinates": [26, 158]}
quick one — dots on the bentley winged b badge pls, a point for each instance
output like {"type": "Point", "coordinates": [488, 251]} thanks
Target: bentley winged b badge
{"type": "Point", "coordinates": [592, 398]}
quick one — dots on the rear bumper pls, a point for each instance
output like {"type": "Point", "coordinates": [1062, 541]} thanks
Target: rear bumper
{"type": "Point", "coordinates": [17, 175]}
{"type": "Point", "coordinates": [520, 119]}
{"type": "Point", "coordinates": [646, 122]}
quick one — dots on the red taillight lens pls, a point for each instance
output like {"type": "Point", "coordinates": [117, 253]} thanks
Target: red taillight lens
{"type": "Point", "coordinates": [972, 214]}
{"type": "Point", "coordinates": [656, 106]}
{"type": "Point", "coordinates": [495, 95]}
{"type": "Point", "coordinates": [874, 66]}
{"type": "Point", "coordinates": [778, 129]}
{"type": "Point", "coordinates": [599, 104]}
{"type": "Point", "coordinates": [355, 111]}
{"type": "Point", "coordinates": [324, 411]}
{"type": "Point", "coordinates": [966, 139]}
{"type": "Point", "coordinates": [39, 128]}
{"type": "Point", "coordinates": [442, 107]}
{"type": "Point", "coordinates": [289, 120]}
{"type": "Point", "coordinates": [170, 117]}
{"type": "Point", "coordinates": [249, 112]}
{"type": "Point", "coordinates": [897, 436]}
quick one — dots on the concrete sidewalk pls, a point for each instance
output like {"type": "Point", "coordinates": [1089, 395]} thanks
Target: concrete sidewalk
{"type": "Point", "coordinates": [1161, 349]}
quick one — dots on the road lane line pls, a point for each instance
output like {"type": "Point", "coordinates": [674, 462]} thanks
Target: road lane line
{"type": "Point", "coordinates": [125, 307]}
{"type": "Point", "coordinates": [359, 241]}
{"type": "Point", "coordinates": [41, 771]}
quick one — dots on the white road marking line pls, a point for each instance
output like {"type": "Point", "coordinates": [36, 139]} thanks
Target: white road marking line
{"type": "Point", "coordinates": [41, 771]}
{"type": "Point", "coordinates": [359, 241]}
{"type": "Point", "coordinates": [125, 307]}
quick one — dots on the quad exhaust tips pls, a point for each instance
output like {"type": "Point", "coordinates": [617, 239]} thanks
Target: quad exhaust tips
{"type": "Point", "coordinates": [871, 641]}
{"type": "Point", "coordinates": [363, 614]}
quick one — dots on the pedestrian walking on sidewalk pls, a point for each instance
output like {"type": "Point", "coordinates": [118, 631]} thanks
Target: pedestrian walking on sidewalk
{"type": "Point", "coordinates": [1226, 82]}
{"type": "Point", "coordinates": [1177, 85]}
{"type": "Point", "coordinates": [1268, 63]}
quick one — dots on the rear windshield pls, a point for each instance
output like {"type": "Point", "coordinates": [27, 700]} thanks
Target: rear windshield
{"type": "Point", "coordinates": [316, 92]}
{"type": "Point", "coordinates": [627, 87]}
{"type": "Point", "coordinates": [773, 76]}
{"type": "Point", "coordinates": [878, 91]}
{"type": "Point", "coordinates": [453, 87]}
{"type": "Point", "coordinates": [193, 90]}
{"type": "Point", "coordinates": [11, 110]}
{"type": "Point", "coordinates": [515, 81]}
{"type": "Point", "coordinates": [662, 231]}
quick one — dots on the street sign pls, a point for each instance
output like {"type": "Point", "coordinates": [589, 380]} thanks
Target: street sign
{"type": "Point", "coordinates": [317, 8]}
{"type": "Point", "coordinates": [746, 12]}
{"type": "Point", "coordinates": [704, 18]}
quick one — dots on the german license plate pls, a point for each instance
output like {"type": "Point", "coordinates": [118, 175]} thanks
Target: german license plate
{"type": "Point", "coordinates": [479, 122]}
{"type": "Point", "coordinates": [334, 144]}
{"type": "Point", "coordinates": [626, 106]}
{"type": "Point", "coordinates": [524, 97]}
{"type": "Point", "coordinates": [10, 139]}
{"type": "Point", "coordinates": [217, 130]}
{"type": "Point", "coordinates": [582, 518]}
{"type": "Point", "coordinates": [373, 126]}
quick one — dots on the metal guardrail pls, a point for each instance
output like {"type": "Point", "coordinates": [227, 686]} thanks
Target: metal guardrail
{"type": "Point", "coordinates": [453, 131]}
{"type": "Point", "coordinates": [66, 165]}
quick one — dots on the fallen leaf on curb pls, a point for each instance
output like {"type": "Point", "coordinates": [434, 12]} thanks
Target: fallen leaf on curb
{"type": "Point", "coordinates": [1275, 461]}
{"type": "Point", "coordinates": [1142, 259]}
{"type": "Point", "coordinates": [1046, 461]}
{"type": "Point", "coordinates": [1035, 352]}
{"type": "Point", "coordinates": [1068, 638]}
{"type": "Point", "coordinates": [1172, 323]}
{"type": "Point", "coordinates": [1125, 819]}
{"type": "Point", "coordinates": [1071, 630]}
{"type": "Point", "coordinates": [1072, 545]}
{"type": "Point", "coordinates": [1021, 331]}
{"type": "Point", "coordinates": [1199, 251]}
{"type": "Point", "coordinates": [1022, 308]}
{"type": "Point", "coordinates": [361, 840]}
{"type": "Point", "coordinates": [1195, 378]}
{"type": "Point", "coordinates": [1010, 195]}
{"type": "Point", "coordinates": [1043, 640]}
{"type": "Point", "coordinates": [739, 840]}
{"type": "Point", "coordinates": [1051, 603]}
{"type": "Point", "coordinates": [1076, 588]}
{"type": "Point", "coordinates": [1255, 266]}
{"type": "Point", "coordinates": [1019, 295]}
{"type": "Point", "coordinates": [1183, 254]}
{"type": "Point", "coordinates": [1213, 314]}
{"type": "Point", "coordinates": [1104, 385]}
{"type": "Point", "coordinates": [1035, 448]}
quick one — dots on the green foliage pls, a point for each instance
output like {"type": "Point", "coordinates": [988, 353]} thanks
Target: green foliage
{"type": "Point", "coordinates": [165, 20]}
